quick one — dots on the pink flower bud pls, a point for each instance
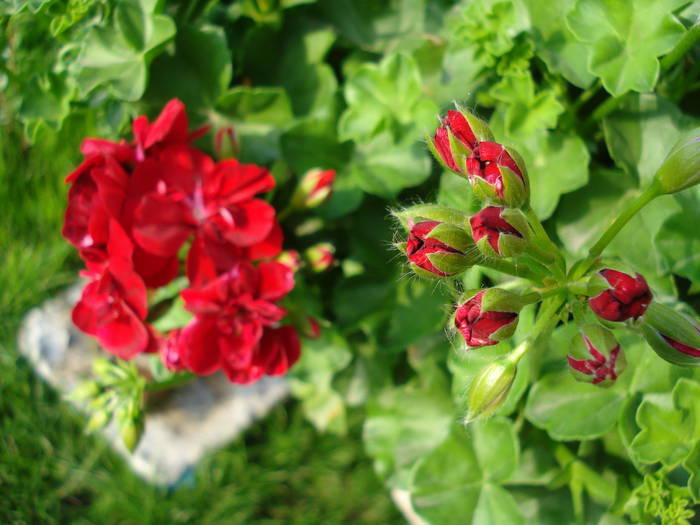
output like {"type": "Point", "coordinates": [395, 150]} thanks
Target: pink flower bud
{"type": "Point", "coordinates": [226, 145]}
{"type": "Point", "coordinates": [320, 256]}
{"type": "Point", "coordinates": [502, 238]}
{"type": "Point", "coordinates": [597, 357]}
{"type": "Point", "coordinates": [627, 298]}
{"type": "Point", "coordinates": [170, 352]}
{"type": "Point", "coordinates": [482, 326]}
{"type": "Point", "coordinates": [314, 188]}
{"type": "Point", "coordinates": [291, 259]}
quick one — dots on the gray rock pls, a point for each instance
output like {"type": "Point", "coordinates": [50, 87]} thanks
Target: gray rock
{"type": "Point", "coordinates": [199, 416]}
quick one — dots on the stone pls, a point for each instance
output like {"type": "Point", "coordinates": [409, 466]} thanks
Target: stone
{"type": "Point", "coordinates": [197, 417]}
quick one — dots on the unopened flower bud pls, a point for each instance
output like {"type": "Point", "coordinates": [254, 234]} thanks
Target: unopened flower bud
{"type": "Point", "coordinates": [485, 317]}
{"type": "Point", "coordinates": [498, 175]}
{"type": "Point", "coordinates": [226, 145]}
{"type": "Point", "coordinates": [596, 356]}
{"type": "Point", "coordinates": [436, 249]}
{"type": "Point", "coordinates": [625, 298]}
{"type": "Point", "coordinates": [170, 352]}
{"type": "Point", "coordinates": [320, 256]}
{"type": "Point", "coordinates": [458, 135]}
{"type": "Point", "coordinates": [430, 212]}
{"type": "Point", "coordinates": [291, 259]}
{"type": "Point", "coordinates": [132, 430]}
{"type": "Point", "coordinates": [681, 169]}
{"type": "Point", "coordinates": [499, 232]}
{"type": "Point", "coordinates": [314, 188]}
{"type": "Point", "coordinates": [491, 385]}
{"type": "Point", "coordinates": [672, 335]}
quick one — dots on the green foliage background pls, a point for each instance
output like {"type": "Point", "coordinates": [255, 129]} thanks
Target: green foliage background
{"type": "Point", "coordinates": [592, 92]}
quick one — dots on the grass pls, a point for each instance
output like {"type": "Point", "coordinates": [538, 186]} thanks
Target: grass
{"type": "Point", "coordinates": [281, 471]}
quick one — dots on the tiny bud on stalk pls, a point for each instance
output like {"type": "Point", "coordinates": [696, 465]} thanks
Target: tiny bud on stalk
{"type": "Point", "coordinates": [626, 297]}
{"type": "Point", "coordinates": [320, 256]}
{"type": "Point", "coordinates": [497, 174]}
{"type": "Point", "coordinates": [673, 336]}
{"type": "Point", "coordinates": [314, 188]}
{"type": "Point", "coordinates": [437, 249]}
{"type": "Point", "coordinates": [681, 169]}
{"type": "Point", "coordinates": [489, 389]}
{"type": "Point", "coordinates": [486, 317]}
{"type": "Point", "coordinates": [596, 356]}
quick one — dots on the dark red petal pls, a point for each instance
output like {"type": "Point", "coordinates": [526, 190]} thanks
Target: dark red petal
{"type": "Point", "coordinates": [269, 247]}
{"type": "Point", "coordinates": [494, 152]}
{"type": "Point", "coordinates": [686, 349]}
{"type": "Point", "coordinates": [232, 182]}
{"type": "Point", "coordinates": [279, 350]}
{"type": "Point", "coordinates": [121, 151]}
{"type": "Point", "coordinates": [170, 127]}
{"type": "Point", "coordinates": [461, 129]}
{"type": "Point", "coordinates": [162, 225]}
{"type": "Point", "coordinates": [124, 337]}
{"type": "Point", "coordinates": [156, 271]}
{"type": "Point", "coordinates": [200, 346]}
{"type": "Point", "coordinates": [276, 280]}
{"type": "Point", "coordinates": [442, 145]}
{"type": "Point", "coordinates": [247, 223]}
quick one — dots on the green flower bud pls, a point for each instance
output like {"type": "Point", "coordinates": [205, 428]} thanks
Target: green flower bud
{"type": "Point", "coordinates": [681, 169]}
{"type": "Point", "coordinates": [673, 336]}
{"type": "Point", "coordinates": [596, 356]}
{"type": "Point", "coordinates": [486, 317]}
{"type": "Point", "coordinates": [429, 212]}
{"type": "Point", "coordinates": [491, 385]}
{"type": "Point", "coordinates": [498, 175]}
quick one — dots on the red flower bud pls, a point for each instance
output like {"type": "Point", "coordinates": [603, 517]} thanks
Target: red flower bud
{"type": "Point", "coordinates": [498, 174]}
{"type": "Point", "coordinates": [502, 237]}
{"type": "Point", "coordinates": [672, 335]}
{"type": "Point", "coordinates": [320, 256]}
{"type": "Point", "coordinates": [606, 361]}
{"type": "Point", "coordinates": [456, 138]}
{"type": "Point", "coordinates": [424, 241]}
{"type": "Point", "coordinates": [482, 327]}
{"type": "Point", "coordinates": [314, 188]}
{"type": "Point", "coordinates": [627, 298]}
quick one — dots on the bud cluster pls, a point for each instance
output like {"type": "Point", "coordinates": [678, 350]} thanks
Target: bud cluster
{"type": "Point", "coordinates": [505, 235]}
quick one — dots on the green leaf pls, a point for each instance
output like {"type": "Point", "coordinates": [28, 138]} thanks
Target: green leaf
{"type": "Point", "coordinates": [641, 132]}
{"type": "Point", "coordinates": [678, 242]}
{"type": "Point", "coordinates": [403, 424]}
{"type": "Point", "coordinates": [420, 310]}
{"type": "Point", "coordinates": [383, 168]}
{"type": "Point", "coordinates": [311, 380]}
{"type": "Point", "coordinates": [692, 465]}
{"type": "Point", "coordinates": [625, 38]}
{"type": "Point", "coordinates": [259, 116]}
{"type": "Point", "coordinates": [456, 192]}
{"type": "Point", "coordinates": [669, 423]}
{"type": "Point", "coordinates": [201, 64]}
{"type": "Point", "coordinates": [554, 398]}
{"type": "Point", "coordinates": [555, 42]}
{"type": "Point", "coordinates": [117, 56]}
{"type": "Point", "coordinates": [370, 292]}
{"type": "Point", "coordinates": [453, 483]}
{"type": "Point", "coordinates": [557, 163]}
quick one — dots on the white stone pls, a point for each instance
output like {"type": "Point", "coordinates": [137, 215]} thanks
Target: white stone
{"type": "Point", "coordinates": [199, 416]}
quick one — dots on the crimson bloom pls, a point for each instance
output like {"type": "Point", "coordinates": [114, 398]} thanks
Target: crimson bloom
{"type": "Point", "coordinates": [113, 306]}
{"type": "Point", "coordinates": [627, 298]}
{"type": "Point", "coordinates": [498, 174]}
{"type": "Point", "coordinates": [480, 326]}
{"type": "Point", "coordinates": [421, 245]}
{"type": "Point", "coordinates": [596, 356]}
{"type": "Point", "coordinates": [231, 313]}
{"type": "Point", "coordinates": [456, 124]}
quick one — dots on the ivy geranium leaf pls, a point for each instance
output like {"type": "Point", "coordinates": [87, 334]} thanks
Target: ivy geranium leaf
{"type": "Point", "coordinates": [555, 42]}
{"type": "Point", "coordinates": [201, 64]}
{"type": "Point", "coordinates": [117, 55]}
{"type": "Point", "coordinates": [625, 38]}
{"type": "Point", "coordinates": [669, 423]}
{"type": "Point", "coordinates": [678, 240]}
{"type": "Point", "coordinates": [570, 410]}
{"type": "Point", "coordinates": [641, 132]}
{"type": "Point", "coordinates": [461, 478]}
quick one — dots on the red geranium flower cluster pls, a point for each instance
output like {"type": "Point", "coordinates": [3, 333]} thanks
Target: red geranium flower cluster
{"type": "Point", "coordinates": [131, 210]}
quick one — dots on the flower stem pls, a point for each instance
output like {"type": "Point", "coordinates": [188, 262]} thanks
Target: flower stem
{"type": "Point", "coordinates": [689, 38]}
{"type": "Point", "coordinates": [511, 269]}
{"type": "Point", "coordinates": [544, 247]}
{"type": "Point", "coordinates": [176, 380]}
{"type": "Point", "coordinates": [630, 211]}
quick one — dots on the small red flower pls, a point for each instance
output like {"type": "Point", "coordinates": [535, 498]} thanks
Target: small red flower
{"type": "Point", "coordinates": [627, 298]}
{"type": "Point", "coordinates": [599, 367]}
{"type": "Point", "coordinates": [477, 326]}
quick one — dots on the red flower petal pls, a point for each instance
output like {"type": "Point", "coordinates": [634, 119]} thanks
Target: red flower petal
{"type": "Point", "coordinates": [162, 225]}
{"type": "Point", "coordinates": [199, 350]}
{"type": "Point", "coordinates": [276, 280]}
